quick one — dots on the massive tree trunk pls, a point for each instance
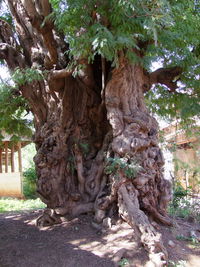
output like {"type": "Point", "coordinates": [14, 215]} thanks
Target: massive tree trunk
{"type": "Point", "coordinates": [87, 131]}
{"type": "Point", "coordinates": [135, 139]}
{"type": "Point", "coordinates": [97, 146]}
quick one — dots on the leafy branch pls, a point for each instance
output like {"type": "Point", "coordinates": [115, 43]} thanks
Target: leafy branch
{"type": "Point", "coordinates": [129, 167]}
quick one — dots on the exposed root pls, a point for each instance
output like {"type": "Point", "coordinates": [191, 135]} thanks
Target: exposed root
{"type": "Point", "coordinates": [82, 208]}
{"type": "Point", "coordinates": [48, 218]}
{"type": "Point", "coordinates": [130, 211]}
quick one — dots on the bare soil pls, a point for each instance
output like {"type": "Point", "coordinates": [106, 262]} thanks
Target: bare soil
{"type": "Point", "coordinates": [77, 243]}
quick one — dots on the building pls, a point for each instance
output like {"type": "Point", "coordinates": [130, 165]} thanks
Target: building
{"type": "Point", "coordinates": [11, 166]}
{"type": "Point", "coordinates": [185, 151]}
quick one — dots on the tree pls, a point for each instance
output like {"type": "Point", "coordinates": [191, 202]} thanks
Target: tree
{"type": "Point", "coordinates": [84, 68]}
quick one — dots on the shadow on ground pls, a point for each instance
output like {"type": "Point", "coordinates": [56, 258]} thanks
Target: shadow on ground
{"type": "Point", "coordinates": [75, 243]}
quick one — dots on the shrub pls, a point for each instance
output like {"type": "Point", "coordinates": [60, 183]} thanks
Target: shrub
{"type": "Point", "coordinates": [179, 193]}
{"type": "Point", "coordinates": [183, 205]}
{"type": "Point", "coordinates": [29, 183]}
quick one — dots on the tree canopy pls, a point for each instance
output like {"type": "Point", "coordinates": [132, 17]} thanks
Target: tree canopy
{"type": "Point", "coordinates": [145, 31]}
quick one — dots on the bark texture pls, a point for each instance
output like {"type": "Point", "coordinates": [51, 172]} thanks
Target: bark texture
{"type": "Point", "coordinates": [89, 130]}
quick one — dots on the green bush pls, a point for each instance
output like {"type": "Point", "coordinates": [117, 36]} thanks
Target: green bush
{"type": "Point", "coordinates": [179, 193]}
{"type": "Point", "coordinates": [183, 205]}
{"type": "Point", "coordinates": [29, 183]}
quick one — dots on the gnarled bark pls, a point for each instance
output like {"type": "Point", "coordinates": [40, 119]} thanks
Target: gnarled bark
{"type": "Point", "coordinates": [73, 151]}
{"type": "Point", "coordinates": [135, 136]}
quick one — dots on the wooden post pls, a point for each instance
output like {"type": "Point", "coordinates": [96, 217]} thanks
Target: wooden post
{"type": "Point", "coordinates": [19, 156]}
{"type": "Point", "coordinates": [1, 170]}
{"type": "Point", "coordinates": [12, 159]}
{"type": "Point", "coordinates": [6, 156]}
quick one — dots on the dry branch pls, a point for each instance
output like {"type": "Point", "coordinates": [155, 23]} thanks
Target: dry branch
{"type": "Point", "coordinates": [166, 76]}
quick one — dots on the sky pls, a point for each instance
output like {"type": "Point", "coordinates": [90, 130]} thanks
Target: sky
{"type": "Point", "coordinates": [4, 74]}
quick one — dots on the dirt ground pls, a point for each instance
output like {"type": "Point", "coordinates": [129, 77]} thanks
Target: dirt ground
{"type": "Point", "coordinates": [77, 243]}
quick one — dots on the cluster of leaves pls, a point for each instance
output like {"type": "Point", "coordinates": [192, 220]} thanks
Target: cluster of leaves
{"type": "Point", "coordinates": [123, 262]}
{"type": "Point", "coordinates": [12, 109]}
{"type": "Point", "coordinates": [129, 167]}
{"type": "Point", "coordinates": [181, 106]}
{"type": "Point", "coordinates": [178, 194]}
{"type": "Point", "coordinates": [183, 205]}
{"type": "Point", "coordinates": [29, 183]}
{"type": "Point", "coordinates": [26, 76]}
{"type": "Point", "coordinates": [85, 148]}
{"type": "Point", "coordinates": [107, 27]}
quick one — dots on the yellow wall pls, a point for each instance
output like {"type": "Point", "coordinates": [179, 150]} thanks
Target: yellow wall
{"type": "Point", "coordinates": [11, 184]}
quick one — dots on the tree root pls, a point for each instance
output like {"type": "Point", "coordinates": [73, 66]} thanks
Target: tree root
{"type": "Point", "coordinates": [130, 211]}
{"type": "Point", "coordinates": [48, 218]}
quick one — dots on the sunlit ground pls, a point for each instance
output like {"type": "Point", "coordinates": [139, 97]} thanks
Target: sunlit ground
{"type": "Point", "coordinates": [10, 204]}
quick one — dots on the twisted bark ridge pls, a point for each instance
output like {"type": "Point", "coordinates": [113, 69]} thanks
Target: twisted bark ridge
{"type": "Point", "coordinates": [97, 149]}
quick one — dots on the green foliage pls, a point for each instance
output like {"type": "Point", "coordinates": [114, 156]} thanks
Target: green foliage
{"type": "Point", "coordinates": [108, 27]}
{"type": "Point", "coordinates": [123, 262]}
{"type": "Point", "coordinates": [7, 17]}
{"type": "Point", "coordinates": [129, 167]}
{"type": "Point", "coordinates": [183, 205]}
{"type": "Point", "coordinates": [5, 14]}
{"type": "Point", "coordinates": [188, 239]}
{"type": "Point", "coordinates": [10, 204]}
{"type": "Point", "coordinates": [12, 110]}
{"type": "Point", "coordinates": [29, 183]}
{"type": "Point", "coordinates": [25, 76]}
{"type": "Point", "coordinates": [180, 106]}
{"type": "Point", "coordinates": [85, 148]}
{"type": "Point", "coordinates": [178, 194]}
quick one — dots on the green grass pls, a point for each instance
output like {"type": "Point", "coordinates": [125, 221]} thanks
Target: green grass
{"type": "Point", "coordinates": [11, 204]}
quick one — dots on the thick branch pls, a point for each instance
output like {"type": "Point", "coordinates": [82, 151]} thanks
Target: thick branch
{"type": "Point", "coordinates": [59, 74]}
{"type": "Point", "coordinates": [6, 33]}
{"type": "Point", "coordinates": [45, 30]}
{"type": "Point", "coordinates": [56, 79]}
{"type": "Point", "coordinates": [8, 47]}
{"type": "Point", "coordinates": [44, 7]}
{"type": "Point", "coordinates": [166, 76]}
{"type": "Point", "coordinates": [12, 57]}
{"type": "Point", "coordinates": [26, 35]}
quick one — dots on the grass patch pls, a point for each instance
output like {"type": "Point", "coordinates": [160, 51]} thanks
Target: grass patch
{"type": "Point", "coordinates": [11, 204]}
